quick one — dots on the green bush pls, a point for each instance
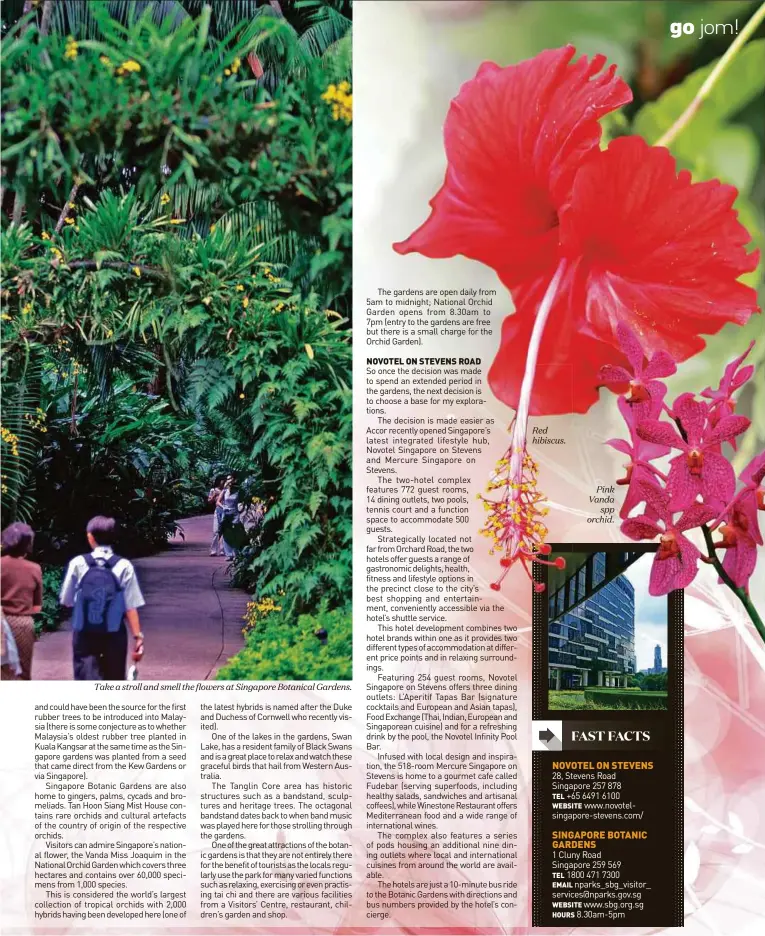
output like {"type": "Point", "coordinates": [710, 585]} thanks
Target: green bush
{"type": "Point", "coordinates": [48, 619]}
{"type": "Point", "coordinates": [282, 648]}
{"type": "Point", "coordinates": [626, 698]}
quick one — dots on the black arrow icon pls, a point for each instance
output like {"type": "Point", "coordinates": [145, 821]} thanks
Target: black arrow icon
{"type": "Point", "coordinates": [546, 735]}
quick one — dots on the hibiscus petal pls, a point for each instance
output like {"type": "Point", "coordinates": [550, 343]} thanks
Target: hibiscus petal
{"type": "Point", "coordinates": [654, 250]}
{"type": "Point", "coordinates": [640, 528]}
{"type": "Point", "coordinates": [514, 139]}
{"type": "Point", "coordinates": [660, 433]}
{"type": "Point", "coordinates": [630, 346]}
{"type": "Point", "coordinates": [567, 366]}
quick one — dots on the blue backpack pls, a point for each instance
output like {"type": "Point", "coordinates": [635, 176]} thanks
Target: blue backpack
{"type": "Point", "coordinates": [99, 601]}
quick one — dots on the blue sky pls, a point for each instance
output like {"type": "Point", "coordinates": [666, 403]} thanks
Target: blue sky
{"type": "Point", "coordinates": [650, 614]}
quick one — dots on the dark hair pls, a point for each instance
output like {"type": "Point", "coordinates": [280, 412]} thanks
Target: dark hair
{"type": "Point", "coordinates": [220, 480]}
{"type": "Point", "coordinates": [103, 530]}
{"type": "Point", "coordinates": [18, 539]}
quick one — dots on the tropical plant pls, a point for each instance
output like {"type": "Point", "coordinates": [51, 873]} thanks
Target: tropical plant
{"type": "Point", "coordinates": [175, 275]}
{"type": "Point", "coordinates": [314, 646]}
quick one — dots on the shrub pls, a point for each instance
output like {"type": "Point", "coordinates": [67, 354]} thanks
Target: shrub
{"type": "Point", "coordinates": [282, 648]}
{"type": "Point", "coordinates": [626, 698]}
{"type": "Point", "coordinates": [48, 619]}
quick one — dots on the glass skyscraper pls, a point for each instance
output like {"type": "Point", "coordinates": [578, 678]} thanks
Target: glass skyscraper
{"type": "Point", "coordinates": [591, 628]}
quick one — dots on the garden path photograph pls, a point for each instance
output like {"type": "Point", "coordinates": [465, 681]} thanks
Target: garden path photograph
{"type": "Point", "coordinates": [176, 369]}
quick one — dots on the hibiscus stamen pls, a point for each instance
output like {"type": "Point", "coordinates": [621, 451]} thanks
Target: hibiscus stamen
{"type": "Point", "coordinates": [514, 520]}
{"type": "Point", "coordinates": [515, 517]}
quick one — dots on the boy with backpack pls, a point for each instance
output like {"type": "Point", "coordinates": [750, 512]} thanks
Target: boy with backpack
{"type": "Point", "coordinates": [103, 590]}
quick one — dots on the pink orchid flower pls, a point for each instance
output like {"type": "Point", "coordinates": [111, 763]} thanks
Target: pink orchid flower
{"type": "Point", "coordinates": [733, 379]}
{"type": "Point", "coordinates": [701, 469]}
{"type": "Point", "coordinates": [639, 452]}
{"type": "Point", "coordinates": [676, 560]}
{"type": "Point", "coordinates": [643, 385]}
{"type": "Point", "coordinates": [741, 531]}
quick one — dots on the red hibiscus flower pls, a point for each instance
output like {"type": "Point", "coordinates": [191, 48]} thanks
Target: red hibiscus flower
{"type": "Point", "coordinates": [701, 469]}
{"type": "Point", "coordinates": [528, 192]}
{"type": "Point", "coordinates": [568, 360]}
{"type": "Point", "coordinates": [514, 140]}
{"type": "Point", "coordinates": [586, 240]}
{"type": "Point", "coordinates": [677, 558]}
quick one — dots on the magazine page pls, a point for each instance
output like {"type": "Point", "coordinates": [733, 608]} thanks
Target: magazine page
{"type": "Point", "coordinates": [383, 467]}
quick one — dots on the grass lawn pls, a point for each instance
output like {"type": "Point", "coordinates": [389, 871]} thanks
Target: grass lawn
{"type": "Point", "coordinates": [574, 700]}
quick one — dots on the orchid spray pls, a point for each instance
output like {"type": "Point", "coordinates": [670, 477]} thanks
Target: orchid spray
{"type": "Point", "coordinates": [700, 490]}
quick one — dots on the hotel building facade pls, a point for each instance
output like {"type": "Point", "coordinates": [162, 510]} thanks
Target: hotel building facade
{"type": "Point", "coordinates": [591, 625]}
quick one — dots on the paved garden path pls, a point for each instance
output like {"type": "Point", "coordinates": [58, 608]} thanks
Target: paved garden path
{"type": "Point", "coordinates": [192, 620]}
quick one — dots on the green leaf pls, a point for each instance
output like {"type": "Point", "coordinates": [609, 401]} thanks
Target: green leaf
{"type": "Point", "coordinates": [741, 83]}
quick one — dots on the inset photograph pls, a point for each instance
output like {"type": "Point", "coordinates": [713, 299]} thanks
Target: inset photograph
{"type": "Point", "coordinates": [606, 635]}
{"type": "Point", "coordinates": [176, 373]}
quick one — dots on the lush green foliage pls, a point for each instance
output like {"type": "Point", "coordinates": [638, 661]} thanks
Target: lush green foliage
{"type": "Point", "coordinates": [283, 648]}
{"type": "Point", "coordinates": [182, 119]}
{"type": "Point", "coordinates": [625, 698]}
{"type": "Point", "coordinates": [601, 700]}
{"type": "Point", "coordinates": [48, 618]}
{"type": "Point", "coordinates": [176, 275]}
{"type": "Point", "coordinates": [652, 681]}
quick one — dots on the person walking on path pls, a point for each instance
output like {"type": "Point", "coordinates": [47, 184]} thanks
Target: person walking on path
{"type": "Point", "coordinates": [229, 504]}
{"type": "Point", "coordinates": [104, 592]}
{"type": "Point", "coordinates": [20, 596]}
{"type": "Point", "coordinates": [216, 546]}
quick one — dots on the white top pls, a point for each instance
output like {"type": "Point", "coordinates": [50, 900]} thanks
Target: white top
{"type": "Point", "coordinates": [230, 502]}
{"type": "Point", "coordinates": [123, 570]}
